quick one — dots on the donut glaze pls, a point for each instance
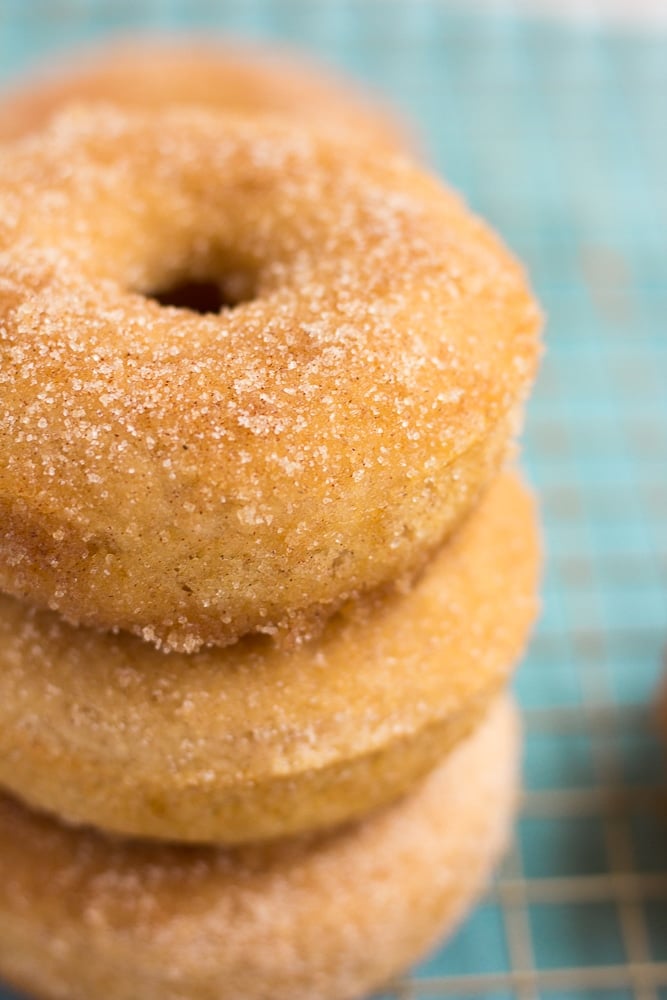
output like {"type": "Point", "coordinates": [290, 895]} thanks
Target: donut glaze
{"type": "Point", "coordinates": [192, 478]}
{"type": "Point", "coordinates": [156, 73]}
{"type": "Point", "coordinates": [330, 917]}
{"type": "Point", "coordinates": [252, 742]}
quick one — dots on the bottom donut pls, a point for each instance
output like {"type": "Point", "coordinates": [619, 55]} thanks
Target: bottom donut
{"type": "Point", "coordinates": [329, 917]}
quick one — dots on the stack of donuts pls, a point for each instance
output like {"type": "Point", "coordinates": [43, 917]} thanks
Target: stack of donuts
{"type": "Point", "coordinates": [265, 570]}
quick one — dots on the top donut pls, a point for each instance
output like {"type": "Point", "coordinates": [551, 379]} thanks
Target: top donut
{"type": "Point", "coordinates": [193, 477]}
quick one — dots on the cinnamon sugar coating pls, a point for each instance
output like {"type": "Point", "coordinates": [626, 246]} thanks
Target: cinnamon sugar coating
{"type": "Point", "coordinates": [192, 478]}
{"type": "Point", "coordinates": [157, 72]}
{"type": "Point", "coordinates": [252, 742]}
{"type": "Point", "coordinates": [330, 917]}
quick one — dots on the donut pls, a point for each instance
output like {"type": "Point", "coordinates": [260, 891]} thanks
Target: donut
{"type": "Point", "coordinates": [194, 476]}
{"type": "Point", "coordinates": [252, 742]}
{"type": "Point", "coordinates": [155, 73]}
{"type": "Point", "coordinates": [330, 917]}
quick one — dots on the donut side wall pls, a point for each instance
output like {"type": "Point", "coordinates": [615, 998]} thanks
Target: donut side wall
{"type": "Point", "coordinates": [248, 742]}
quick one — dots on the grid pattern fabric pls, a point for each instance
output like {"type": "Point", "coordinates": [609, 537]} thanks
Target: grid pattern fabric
{"type": "Point", "coordinates": [558, 135]}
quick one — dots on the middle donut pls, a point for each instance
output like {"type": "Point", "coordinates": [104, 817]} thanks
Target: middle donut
{"type": "Point", "coordinates": [253, 742]}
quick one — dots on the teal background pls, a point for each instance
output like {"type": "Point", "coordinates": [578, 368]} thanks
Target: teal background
{"type": "Point", "coordinates": [558, 135]}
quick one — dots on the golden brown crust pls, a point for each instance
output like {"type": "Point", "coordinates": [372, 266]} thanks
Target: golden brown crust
{"type": "Point", "coordinates": [251, 742]}
{"type": "Point", "coordinates": [193, 478]}
{"type": "Point", "coordinates": [330, 917]}
{"type": "Point", "coordinates": [155, 73]}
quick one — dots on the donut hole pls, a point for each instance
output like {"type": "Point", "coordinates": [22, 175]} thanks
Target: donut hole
{"type": "Point", "coordinates": [205, 295]}
{"type": "Point", "coordinates": [197, 296]}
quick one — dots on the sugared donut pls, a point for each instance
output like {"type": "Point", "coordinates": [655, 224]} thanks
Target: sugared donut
{"type": "Point", "coordinates": [192, 478]}
{"type": "Point", "coordinates": [251, 742]}
{"type": "Point", "coordinates": [329, 918]}
{"type": "Point", "coordinates": [154, 73]}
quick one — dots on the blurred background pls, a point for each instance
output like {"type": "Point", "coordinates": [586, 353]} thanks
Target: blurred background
{"type": "Point", "coordinates": [551, 118]}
